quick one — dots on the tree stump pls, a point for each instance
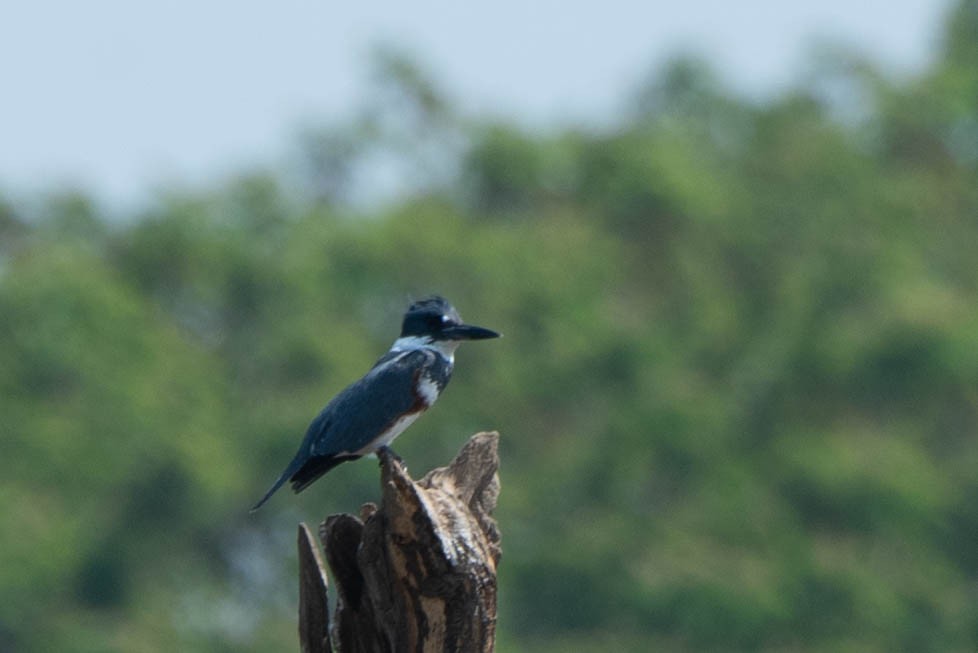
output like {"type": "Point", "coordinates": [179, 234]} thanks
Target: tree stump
{"type": "Point", "coordinates": [419, 572]}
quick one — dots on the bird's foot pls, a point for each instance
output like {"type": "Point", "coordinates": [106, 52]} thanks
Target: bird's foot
{"type": "Point", "coordinates": [386, 452]}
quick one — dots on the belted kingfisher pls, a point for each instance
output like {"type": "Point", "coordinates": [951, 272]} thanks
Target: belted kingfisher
{"type": "Point", "coordinates": [371, 412]}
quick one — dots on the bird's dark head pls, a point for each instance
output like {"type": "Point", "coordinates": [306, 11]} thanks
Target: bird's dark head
{"type": "Point", "coordinates": [435, 319]}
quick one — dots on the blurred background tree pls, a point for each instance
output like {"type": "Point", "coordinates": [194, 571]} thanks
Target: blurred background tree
{"type": "Point", "coordinates": [737, 391]}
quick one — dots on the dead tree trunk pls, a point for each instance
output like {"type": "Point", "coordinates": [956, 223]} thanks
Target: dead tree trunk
{"type": "Point", "coordinates": [416, 574]}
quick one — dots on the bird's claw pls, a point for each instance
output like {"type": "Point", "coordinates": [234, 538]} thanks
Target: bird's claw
{"type": "Point", "coordinates": [386, 452]}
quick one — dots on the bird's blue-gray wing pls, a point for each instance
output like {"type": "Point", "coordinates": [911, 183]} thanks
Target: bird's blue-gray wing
{"type": "Point", "coordinates": [367, 408]}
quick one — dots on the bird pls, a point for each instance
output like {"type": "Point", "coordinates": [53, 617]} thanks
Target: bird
{"type": "Point", "coordinates": [366, 416]}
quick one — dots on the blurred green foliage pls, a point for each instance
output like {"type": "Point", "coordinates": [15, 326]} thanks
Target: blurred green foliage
{"type": "Point", "coordinates": [738, 391]}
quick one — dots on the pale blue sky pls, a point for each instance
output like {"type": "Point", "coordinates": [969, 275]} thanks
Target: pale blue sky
{"type": "Point", "coordinates": [119, 96]}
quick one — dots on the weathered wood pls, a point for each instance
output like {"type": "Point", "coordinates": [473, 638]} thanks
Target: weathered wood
{"type": "Point", "coordinates": [418, 573]}
{"type": "Point", "coordinates": [313, 608]}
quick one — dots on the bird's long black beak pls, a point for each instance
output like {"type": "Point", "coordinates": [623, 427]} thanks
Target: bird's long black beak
{"type": "Point", "coordinates": [468, 332]}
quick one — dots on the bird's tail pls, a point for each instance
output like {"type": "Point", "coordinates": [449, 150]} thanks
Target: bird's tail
{"type": "Point", "coordinates": [303, 471]}
{"type": "Point", "coordinates": [275, 486]}
{"type": "Point", "coordinates": [295, 465]}
{"type": "Point", "coordinates": [315, 467]}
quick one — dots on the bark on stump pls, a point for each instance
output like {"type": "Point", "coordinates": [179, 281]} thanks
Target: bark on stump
{"type": "Point", "coordinates": [416, 574]}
